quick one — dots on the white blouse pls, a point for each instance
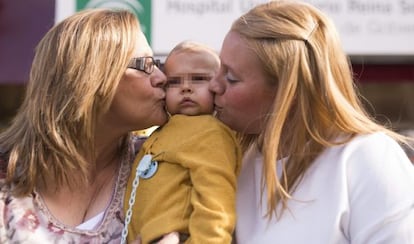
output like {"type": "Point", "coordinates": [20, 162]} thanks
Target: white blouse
{"type": "Point", "coordinates": [360, 193]}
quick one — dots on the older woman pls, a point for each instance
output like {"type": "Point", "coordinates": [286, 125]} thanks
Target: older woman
{"type": "Point", "coordinates": [65, 159]}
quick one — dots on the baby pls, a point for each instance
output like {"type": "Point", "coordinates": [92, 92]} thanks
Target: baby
{"type": "Point", "coordinates": [188, 183]}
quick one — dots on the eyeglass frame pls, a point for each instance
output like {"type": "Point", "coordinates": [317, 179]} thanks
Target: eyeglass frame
{"type": "Point", "coordinates": [139, 63]}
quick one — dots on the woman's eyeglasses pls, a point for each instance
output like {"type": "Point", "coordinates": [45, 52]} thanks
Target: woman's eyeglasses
{"type": "Point", "coordinates": [144, 64]}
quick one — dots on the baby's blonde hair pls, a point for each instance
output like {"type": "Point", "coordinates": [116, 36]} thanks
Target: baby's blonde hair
{"type": "Point", "coordinates": [195, 47]}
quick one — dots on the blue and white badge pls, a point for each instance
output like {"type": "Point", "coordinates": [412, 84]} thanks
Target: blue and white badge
{"type": "Point", "coordinates": [147, 167]}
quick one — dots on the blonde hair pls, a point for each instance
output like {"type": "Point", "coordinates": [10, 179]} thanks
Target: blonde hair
{"type": "Point", "coordinates": [73, 79]}
{"type": "Point", "coordinates": [316, 101]}
{"type": "Point", "coordinates": [195, 47]}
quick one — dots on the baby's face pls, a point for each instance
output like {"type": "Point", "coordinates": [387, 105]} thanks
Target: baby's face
{"type": "Point", "coordinates": [188, 76]}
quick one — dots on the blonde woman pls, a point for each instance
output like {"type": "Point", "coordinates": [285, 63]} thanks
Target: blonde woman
{"type": "Point", "coordinates": [317, 169]}
{"type": "Point", "coordinates": [66, 158]}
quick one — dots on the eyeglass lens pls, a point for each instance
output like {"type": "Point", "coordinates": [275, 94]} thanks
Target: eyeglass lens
{"type": "Point", "coordinates": [145, 64]}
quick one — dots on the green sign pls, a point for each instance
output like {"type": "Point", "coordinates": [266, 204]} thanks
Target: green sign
{"type": "Point", "coordinates": [141, 8]}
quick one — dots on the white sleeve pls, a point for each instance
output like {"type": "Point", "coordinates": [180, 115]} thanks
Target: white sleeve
{"type": "Point", "coordinates": [381, 193]}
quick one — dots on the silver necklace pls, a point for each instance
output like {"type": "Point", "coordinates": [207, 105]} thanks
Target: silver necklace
{"type": "Point", "coordinates": [146, 169]}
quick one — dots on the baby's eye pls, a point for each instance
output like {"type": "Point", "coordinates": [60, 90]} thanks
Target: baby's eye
{"type": "Point", "coordinates": [197, 79]}
{"type": "Point", "coordinates": [173, 81]}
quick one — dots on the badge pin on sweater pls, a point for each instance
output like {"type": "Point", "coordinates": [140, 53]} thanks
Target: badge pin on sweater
{"type": "Point", "coordinates": [147, 167]}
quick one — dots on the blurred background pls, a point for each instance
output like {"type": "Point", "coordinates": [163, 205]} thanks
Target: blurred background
{"type": "Point", "coordinates": [378, 35]}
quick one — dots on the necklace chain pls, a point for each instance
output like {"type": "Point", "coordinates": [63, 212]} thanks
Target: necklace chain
{"type": "Point", "coordinates": [131, 203]}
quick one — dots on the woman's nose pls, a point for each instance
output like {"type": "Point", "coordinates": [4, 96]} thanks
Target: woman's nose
{"type": "Point", "coordinates": [158, 78]}
{"type": "Point", "coordinates": [215, 86]}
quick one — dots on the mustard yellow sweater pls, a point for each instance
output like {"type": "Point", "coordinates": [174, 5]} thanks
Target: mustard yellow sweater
{"type": "Point", "coordinates": [193, 190]}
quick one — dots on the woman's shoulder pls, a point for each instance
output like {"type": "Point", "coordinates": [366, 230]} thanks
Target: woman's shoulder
{"type": "Point", "coordinates": [370, 154]}
{"type": "Point", "coordinates": [375, 155]}
{"type": "Point", "coordinates": [374, 143]}
{"type": "Point", "coordinates": [378, 138]}
{"type": "Point", "coordinates": [378, 143]}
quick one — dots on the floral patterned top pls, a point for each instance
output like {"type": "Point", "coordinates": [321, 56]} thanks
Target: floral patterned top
{"type": "Point", "coordinates": [27, 219]}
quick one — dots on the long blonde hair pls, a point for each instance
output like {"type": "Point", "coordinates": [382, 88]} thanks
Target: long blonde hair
{"type": "Point", "coordinates": [73, 79]}
{"type": "Point", "coordinates": [316, 101]}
